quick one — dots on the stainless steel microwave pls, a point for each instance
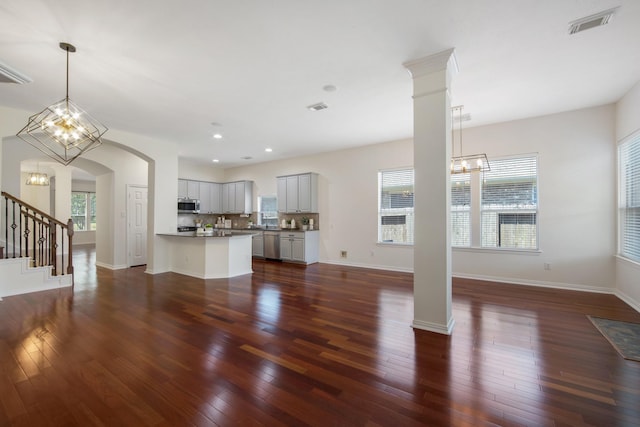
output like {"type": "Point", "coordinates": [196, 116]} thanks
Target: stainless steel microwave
{"type": "Point", "coordinates": [188, 206]}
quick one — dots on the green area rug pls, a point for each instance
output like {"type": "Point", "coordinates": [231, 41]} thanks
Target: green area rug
{"type": "Point", "coordinates": [623, 336]}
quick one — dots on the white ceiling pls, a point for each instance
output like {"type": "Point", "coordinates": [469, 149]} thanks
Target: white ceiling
{"type": "Point", "coordinates": [169, 68]}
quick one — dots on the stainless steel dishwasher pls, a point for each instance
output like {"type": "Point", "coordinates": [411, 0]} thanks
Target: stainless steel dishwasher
{"type": "Point", "coordinates": [272, 244]}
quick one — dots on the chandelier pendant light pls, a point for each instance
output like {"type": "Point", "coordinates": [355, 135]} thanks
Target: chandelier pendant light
{"type": "Point", "coordinates": [63, 131]}
{"type": "Point", "coordinates": [37, 178]}
{"type": "Point", "coordinates": [465, 163]}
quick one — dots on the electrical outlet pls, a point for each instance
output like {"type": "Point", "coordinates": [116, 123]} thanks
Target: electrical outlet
{"type": "Point", "coordinates": [343, 254]}
{"type": "Point", "coordinates": [547, 266]}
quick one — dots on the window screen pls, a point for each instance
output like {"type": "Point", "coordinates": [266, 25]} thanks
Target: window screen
{"type": "Point", "coordinates": [395, 209]}
{"type": "Point", "coordinates": [629, 169]}
{"type": "Point", "coordinates": [509, 204]}
{"type": "Point", "coordinates": [461, 210]}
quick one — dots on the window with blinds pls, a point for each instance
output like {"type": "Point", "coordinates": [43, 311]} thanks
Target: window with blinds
{"type": "Point", "coordinates": [461, 210]}
{"type": "Point", "coordinates": [509, 204]}
{"type": "Point", "coordinates": [629, 169]}
{"type": "Point", "coordinates": [395, 208]}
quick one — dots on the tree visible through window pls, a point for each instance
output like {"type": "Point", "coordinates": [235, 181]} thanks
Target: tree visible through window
{"type": "Point", "coordinates": [395, 206]}
{"type": "Point", "coordinates": [509, 204]}
{"type": "Point", "coordinates": [83, 211]}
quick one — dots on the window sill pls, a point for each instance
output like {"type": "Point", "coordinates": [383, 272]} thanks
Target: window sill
{"type": "Point", "coordinates": [629, 260]}
{"type": "Point", "coordinates": [394, 244]}
{"type": "Point", "coordinates": [497, 250]}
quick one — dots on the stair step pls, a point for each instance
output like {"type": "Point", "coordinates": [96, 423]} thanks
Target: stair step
{"type": "Point", "coordinates": [20, 278]}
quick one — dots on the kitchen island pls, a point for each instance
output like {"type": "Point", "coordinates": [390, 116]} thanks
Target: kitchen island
{"type": "Point", "coordinates": [219, 255]}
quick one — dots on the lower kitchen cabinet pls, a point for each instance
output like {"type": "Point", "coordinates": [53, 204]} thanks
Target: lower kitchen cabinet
{"type": "Point", "coordinates": [300, 246]}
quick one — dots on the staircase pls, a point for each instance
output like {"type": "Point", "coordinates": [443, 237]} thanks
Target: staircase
{"type": "Point", "coordinates": [37, 249]}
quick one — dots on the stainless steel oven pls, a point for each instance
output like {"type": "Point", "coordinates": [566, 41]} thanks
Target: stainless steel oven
{"type": "Point", "coordinates": [188, 206]}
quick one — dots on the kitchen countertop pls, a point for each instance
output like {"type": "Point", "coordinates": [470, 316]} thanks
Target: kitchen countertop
{"type": "Point", "coordinates": [216, 233]}
{"type": "Point", "coordinates": [272, 229]}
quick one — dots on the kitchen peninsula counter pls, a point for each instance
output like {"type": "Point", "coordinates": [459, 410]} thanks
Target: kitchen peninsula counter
{"type": "Point", "coordinates": [224, 254]}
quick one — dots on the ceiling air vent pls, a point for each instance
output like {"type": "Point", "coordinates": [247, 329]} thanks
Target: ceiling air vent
{"type": "Point", "coordinates": [591, 21]}
{"type": "Point", "coordinates": [9, 75]}
{"type": "Point", "coordinates": [317, 107]}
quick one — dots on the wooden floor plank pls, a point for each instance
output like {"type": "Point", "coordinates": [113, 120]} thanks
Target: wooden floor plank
{"type": "Point", "coordinates": [307, 345]}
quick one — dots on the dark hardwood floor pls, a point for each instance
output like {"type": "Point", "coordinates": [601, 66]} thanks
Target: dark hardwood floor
{"type": "Point", "coordinates": [320, 345]}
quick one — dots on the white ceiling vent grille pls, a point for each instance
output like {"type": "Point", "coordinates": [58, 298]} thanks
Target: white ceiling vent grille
{"type": "Point", "coordinates": [591, 21]}
{"type": "Point", "coordinates": [317, 107]}
{"type": "Point", "coordinates": [9, 75]}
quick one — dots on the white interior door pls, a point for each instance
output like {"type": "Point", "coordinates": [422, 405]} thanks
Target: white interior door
{"type": "Point", "coordinates": [136, 225]}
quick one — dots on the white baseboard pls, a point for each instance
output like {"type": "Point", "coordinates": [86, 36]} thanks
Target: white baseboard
{"type": "Point", "coordinates": [626, 298]}
{"type": "Point", "coordinates": [541, 284]}
{"type": "Point", "coordinates": [110, 267]}
{"type": "Point", "coordinates": [434, 327]}
{"type": "Point", "coordinates": [362, 265]}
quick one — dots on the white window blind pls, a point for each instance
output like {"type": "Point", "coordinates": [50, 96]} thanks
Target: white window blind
{"type": "Point", "coordinates": [509, 204]}
{"type": "Point", "coordinates": [629, 169]}
{"type": "Point", "coordinates": [395, 210]}
{"type": "Point", "coordinates": [461, 210]}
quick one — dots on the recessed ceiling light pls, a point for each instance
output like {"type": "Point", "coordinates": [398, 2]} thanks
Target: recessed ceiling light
{"type": "Point", "coordinates": [217, 136]}
{"type": "Point", "coordinates": [317, 107]}
{"type": "Point", "coordinates": [268, 150]}
{"type": "Point", "coordinates": [246, 158]}
{"type": "Point", "coordinates": [329, 88]}
{"type": "Point", "coordinates": [215, 160]}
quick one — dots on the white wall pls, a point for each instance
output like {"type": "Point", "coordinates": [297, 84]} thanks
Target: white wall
{"type": "Point", "coordinates": [161, 173]}
{"type": "Point", "coordinates": [199, 171]}
{"type": "Point", "coordinates": [36, 195]}
{"type": "Point", "coordinates": [628, 122]}
{"type": "Point", "coordinates": [577, 204]}
{"type": "Point", "coordinates": [112, 203]}
{"type": "Point", "coordinates": [576, 170]}
{"type": "Point", "coordinates": [348, 200]}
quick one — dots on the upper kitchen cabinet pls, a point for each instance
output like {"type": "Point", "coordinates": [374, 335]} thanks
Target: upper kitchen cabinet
{"type": "Point", "coordinates": [188, 189]}
{"type": "Point", "coordinates": [298, 193]}
{"type": "Point", "coordinates": [237, 197]}
{"type": "Point", "coordinates": [210, 197]}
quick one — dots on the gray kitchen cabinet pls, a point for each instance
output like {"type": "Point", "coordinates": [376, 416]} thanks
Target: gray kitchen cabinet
{"type": "Point", "coordinates": [193, 189]}
{"type": "Point", "coordinates": [282, 194]}
{"type": "Point", "coordinates": [215, 193]}
{"type": "Point", "coordinates": [183, 192]}
{"type": "Point", "coordinates": [188, 189]}
{"type": "Point", "coordinates": [298, 193]}
{"type": "Point", "coordinates": [205, 197]}
{"type": "Point", "coordinates": [237, 197]}
{"type": "Point", "coordinates": [300, 246]}
{"type": "Point", "coordinates": [210, 198]}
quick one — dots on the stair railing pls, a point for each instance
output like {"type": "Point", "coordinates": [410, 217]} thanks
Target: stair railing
{"type": "Point", "coordinates": [29, 232]}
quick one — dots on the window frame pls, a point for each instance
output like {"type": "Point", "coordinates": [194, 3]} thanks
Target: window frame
{"type": "Point", "coordinates": [632, 143]}
{"type": "Point", "coordinates": [88, 212]}
{"type": "Point", "coordinates": [407, 212]}
{"type": "Point", "coordinates": [511, 211]}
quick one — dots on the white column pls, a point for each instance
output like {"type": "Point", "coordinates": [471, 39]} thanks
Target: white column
{"type": "Point", "coordinates": [432, 155]}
